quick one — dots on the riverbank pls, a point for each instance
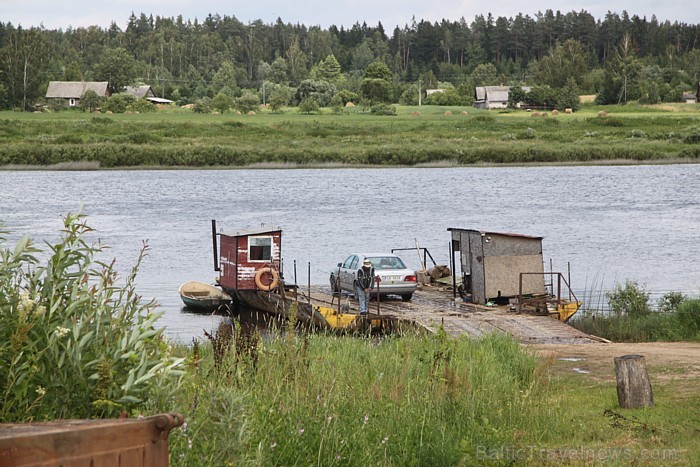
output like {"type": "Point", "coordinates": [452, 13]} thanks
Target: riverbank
{"type": "Point", "coordinates": [432, 400]}
{"type": "Point", "coordinates": [436, 137]}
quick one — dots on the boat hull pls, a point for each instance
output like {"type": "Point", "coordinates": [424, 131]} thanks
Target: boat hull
{"type": "Point", "coordinates": [203, 297]}
{"type": "Point", "coordinates": [207, 304]}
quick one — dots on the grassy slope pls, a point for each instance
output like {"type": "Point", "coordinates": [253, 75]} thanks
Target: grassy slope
{"type": "Point", "coordinates": [420, 401]}
{"type": "Point", "coordinates": [181, 138]}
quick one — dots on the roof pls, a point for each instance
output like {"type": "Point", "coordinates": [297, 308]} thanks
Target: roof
{"type": "Point", "coordinates": [140, 91]}
{"type": "Point", "coordinates": [263, 229]}
{"type": "Point", "coordinates": [495, 93]}
{"type": "Point", "coordinates": [75, 89]}
{"type": "Point", "coordinates": [485, 232]}
{"type": "Point", "coordinates": [159, 100]}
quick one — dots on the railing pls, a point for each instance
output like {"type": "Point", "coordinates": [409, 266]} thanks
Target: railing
{"type": "Point", "coordinates": [540, 303]}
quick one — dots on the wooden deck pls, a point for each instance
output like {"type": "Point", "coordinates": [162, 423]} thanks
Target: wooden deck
{"type": "Point", "coordinates": [432, 307]}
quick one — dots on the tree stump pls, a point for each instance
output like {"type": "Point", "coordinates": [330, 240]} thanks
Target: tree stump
{"type": "Point", "coordinates": [633, 386]}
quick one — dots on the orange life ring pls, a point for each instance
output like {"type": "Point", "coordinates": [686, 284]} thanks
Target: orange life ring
{"type": "Point", "coordinates": [266, 287]}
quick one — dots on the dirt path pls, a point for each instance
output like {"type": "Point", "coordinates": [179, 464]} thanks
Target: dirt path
{"type": "Point", "coordinates": [665, 360]}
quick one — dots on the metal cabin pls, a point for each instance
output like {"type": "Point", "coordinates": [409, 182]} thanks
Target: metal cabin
{"type": "Point", "coordinates": [492, 264]}
{"type": "Point", "coordinates": [248, 259]}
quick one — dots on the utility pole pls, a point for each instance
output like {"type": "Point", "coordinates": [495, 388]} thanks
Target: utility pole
{"type": "Point", "coordinates": [420, 94]}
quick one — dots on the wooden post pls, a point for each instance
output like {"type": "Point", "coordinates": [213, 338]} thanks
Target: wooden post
{"type": "Point", "coordinates": [633, 386]}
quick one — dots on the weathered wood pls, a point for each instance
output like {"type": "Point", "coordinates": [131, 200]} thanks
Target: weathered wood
{"type": "Point", "coordinates": [432, 307]}
{"type": "Point", "coordinates": [633, 386]}
{"type": "Point", "coordinates": [108, 443]}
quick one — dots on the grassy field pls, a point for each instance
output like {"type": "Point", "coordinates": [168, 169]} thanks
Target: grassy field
{"type": "Point", "coordinates": [463, 136]}
{"type": "Point", "coordinates": [423, 401]}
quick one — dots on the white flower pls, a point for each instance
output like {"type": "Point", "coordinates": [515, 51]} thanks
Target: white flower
{"type": "Point", "coordinates": [60, 332]}
{"type": "Point", "coordinates": [39, 311]}
{"type": "Point", "coordinates": [40, 391]}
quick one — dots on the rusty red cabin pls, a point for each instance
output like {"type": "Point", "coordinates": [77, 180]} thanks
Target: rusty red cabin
{"type": "Point", "coordinates": [245, 252]}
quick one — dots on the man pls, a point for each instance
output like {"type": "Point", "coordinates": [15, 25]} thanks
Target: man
{"type": "Point", "coordinates": [364, 282]}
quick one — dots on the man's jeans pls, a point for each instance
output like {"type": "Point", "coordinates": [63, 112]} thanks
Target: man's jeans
{"type": "Point", "coordinates": [362, 297]}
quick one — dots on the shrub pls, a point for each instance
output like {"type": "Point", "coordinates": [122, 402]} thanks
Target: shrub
{"type": "Point", "coordinates": [222, 102]}
{"type": "Point", "coordinates": [630, 299]}
{"type": "Point", "coordinates": [247, 103]}
{"type": "Point", "coordinates": [90, 101]}
{"type": "Point", "coordinates": [202, 106]}
{"type": "Point", "coordinates": [142, 106]}
{"type": "Point", "coordinates": [119, 103]}
{"type": "Point", "coordinates": [74, 343]}
{"type": "Point", "coordinates": [670, 301]}
{"type": "Point", "coordinates": [688, 315]}
{"type": "Point", "coordinates": [383, 109]}
{"type": "Point", "coordinates": [308, 105]}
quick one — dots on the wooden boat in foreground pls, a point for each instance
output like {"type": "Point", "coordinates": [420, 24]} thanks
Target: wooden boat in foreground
{"type": "Point", "coordinates": [201, 296]}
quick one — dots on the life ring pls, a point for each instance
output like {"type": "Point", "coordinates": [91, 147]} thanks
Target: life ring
{"type": "Point", "coordinates": [266, 287]}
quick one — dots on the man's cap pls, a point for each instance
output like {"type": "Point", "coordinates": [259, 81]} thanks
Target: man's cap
{"type": "Point", "coordinates": [367, 262]}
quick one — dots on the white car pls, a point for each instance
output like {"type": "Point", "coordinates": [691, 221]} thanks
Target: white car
{"type": "Point", "coordinates": [395, 278]}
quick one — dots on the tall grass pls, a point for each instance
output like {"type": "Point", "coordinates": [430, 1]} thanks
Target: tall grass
{"type": "Point", "coordinates": [632, 318]}
{"type": "Point", "coordinates": [360, 401]}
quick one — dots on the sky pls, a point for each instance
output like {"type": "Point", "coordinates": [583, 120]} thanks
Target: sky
{"type": "Point", "coordinates": [54, 14]}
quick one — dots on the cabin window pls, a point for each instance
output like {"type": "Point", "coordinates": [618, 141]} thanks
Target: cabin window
{"type": "Point", "coordinates": [71, 102]}
{"type": "Point", "coordinates": [260, 248]}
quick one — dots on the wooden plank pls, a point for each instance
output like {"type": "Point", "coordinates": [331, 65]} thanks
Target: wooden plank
{"type": "Point", "coordinates": [89, 443]}
{"type": "Point", "coordinates": [432, 307]}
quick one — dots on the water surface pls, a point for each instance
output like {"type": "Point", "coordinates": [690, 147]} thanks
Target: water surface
{"type": "Point", "coordinates": [611, 223]}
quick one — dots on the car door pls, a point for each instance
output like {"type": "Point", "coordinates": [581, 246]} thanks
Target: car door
{"type": "Point", "coordinates": [347, 272]}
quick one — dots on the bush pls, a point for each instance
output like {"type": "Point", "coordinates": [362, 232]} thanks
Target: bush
{"type": "Point", "coordinates": [222, 102]}
{"type": "Point", "coordinates": [90, 101]}
{"type": "Point", "coordinates": [308, 105]}
{"type": "Point", "coordinates": [142, 106]}
{"type": "Point", "coordinates": [73, 343]}
{"type": "Point", "coordinates": [688, 315]}
{"type": "Point", "coordinates": [630, 299]}
{"type": "Point", "coordinates": [670, 302]}
{"type": "Point", "coordinates": [383, 109]}
{"type": "Point", "coordinates": [202, 106]}
{"type": "Point", "coordinates": [248, 103]}
{"type": "Point", "coordinates": [119, 103]}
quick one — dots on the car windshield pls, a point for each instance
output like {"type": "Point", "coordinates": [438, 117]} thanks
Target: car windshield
{"type": "Point", "coordinates": [387, 262]}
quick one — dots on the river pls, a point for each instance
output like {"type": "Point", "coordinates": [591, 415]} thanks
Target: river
{"type": "Point", "coordinates": [611, 223]}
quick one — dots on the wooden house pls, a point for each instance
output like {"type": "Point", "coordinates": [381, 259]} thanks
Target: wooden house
{"type": "Point", "coordinates": [493, 97]}
{"type": "Point", "coordinates": [140, 92]}
{"type": "Point", "coordinates": [491, 264]}
{"type": "Point", "coordinates": [250, 259]}
{"type": "Point", "coordinates": [70, 92]}
{"type": "Point", "coordinates": [146, 92]}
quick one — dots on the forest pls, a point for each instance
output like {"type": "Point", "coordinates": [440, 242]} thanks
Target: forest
{"type": "Point", "coordinates": [619, 58]}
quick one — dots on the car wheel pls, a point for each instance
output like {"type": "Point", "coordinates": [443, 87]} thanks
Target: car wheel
{"type": "Point", "coordinates": [406, 297]}
{"type": "Point", "coordinates": [334, 284]}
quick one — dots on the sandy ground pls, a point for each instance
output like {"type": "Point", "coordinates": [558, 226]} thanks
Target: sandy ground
{"type": "Point", "coordinates": [665, 360]}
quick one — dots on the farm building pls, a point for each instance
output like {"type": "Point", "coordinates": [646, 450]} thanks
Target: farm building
{"type": "Point", "coordinates": [146, 92]}
{"type": "Point", "coordinates": [71, 91]}
{"type": "Point", "coordinates": [491, 97]}
{"type": "Point", "coordinates": [492, 264]}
